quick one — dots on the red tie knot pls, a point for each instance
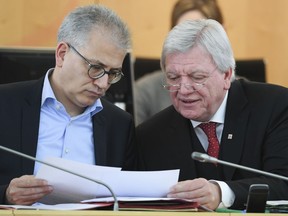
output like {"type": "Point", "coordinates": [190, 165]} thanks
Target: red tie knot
{"type": "Point", "coordinates": [209, 128]}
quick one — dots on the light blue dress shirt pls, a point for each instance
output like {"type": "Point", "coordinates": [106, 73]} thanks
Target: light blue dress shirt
{"type": "Point", "coordinates": [61, 135]}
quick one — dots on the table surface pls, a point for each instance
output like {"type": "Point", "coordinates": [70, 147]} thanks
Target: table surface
{"type": "Point", "coordinates": [115, 213]}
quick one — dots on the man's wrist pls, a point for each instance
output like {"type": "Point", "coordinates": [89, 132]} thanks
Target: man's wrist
{"type": "Point", "coordinates": [227, 195]}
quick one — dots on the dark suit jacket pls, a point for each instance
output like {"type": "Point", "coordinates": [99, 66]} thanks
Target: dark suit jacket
{"type": "Point", "coordinates": [256, 116]}
{"type": "Point", "coordinates": [113, 130]}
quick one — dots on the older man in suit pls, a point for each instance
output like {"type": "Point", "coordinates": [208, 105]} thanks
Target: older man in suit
{"type": "Point", "coordinates": [236, 120]}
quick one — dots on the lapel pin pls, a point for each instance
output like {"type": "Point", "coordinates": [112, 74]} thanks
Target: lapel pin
{"type": "Point", "coordinates": [230, 136]}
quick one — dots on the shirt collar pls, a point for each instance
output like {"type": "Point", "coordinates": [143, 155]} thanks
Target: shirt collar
{"type": "Point", "coordinates": [219, 116]}
{"type": "Point", "coordinates": [47, 93]}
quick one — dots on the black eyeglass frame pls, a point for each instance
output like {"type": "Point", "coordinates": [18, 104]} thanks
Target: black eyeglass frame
{"type": "Point", "coordinates": [117, 74]}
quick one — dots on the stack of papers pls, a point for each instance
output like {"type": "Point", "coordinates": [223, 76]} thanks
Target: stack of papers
{"type": "Point", "coordinates": [58, 207]}
{"type": "Point", "coordinates": [145, 203]}
{"type": "Point", "coordinates": [277, 206]}
{"type": "Point", "coordinates": [84, 186]}
{"type": "Point", "coordinates": [125, 203]}
{"type": "Point", "coordinates": [69, 188]}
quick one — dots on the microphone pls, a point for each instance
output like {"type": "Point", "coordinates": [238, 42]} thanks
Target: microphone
{"type": "Point", "coordinates": [202, 157]}
{"type": "Point", "coordinates": [115, 206]}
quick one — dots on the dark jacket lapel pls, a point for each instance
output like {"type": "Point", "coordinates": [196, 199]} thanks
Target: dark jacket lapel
{"type": "Point", "coordinates": [30, 124]}
{"type": "Point", "coordinates": [182, 136]}
{"type": "Point", "coordinates": [99, 129]}
{"type": "Point", "coordinates": [234, 131]}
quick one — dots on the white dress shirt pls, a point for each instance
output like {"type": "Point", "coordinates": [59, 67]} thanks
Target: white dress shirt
{"type": "Point", "coordinates": [228, 195]}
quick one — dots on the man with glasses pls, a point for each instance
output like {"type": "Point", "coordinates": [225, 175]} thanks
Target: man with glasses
{"type": "Point", "coordinates": [97, 71]}
{"type": "Point", "coordinates": [63, 114]}
{"type": "Point", "coordinates": [237, 121]}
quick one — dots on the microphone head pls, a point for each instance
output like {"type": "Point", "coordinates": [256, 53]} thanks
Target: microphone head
{"type": "Point", "coordinates": [203, 157]}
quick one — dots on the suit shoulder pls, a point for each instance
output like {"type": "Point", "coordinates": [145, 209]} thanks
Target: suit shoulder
{"type": "Point", "coordinates": [150, 79]}
{"type": "Point", "coordinates": [246, 84]}
{"type": "Point", "coordinates": [262, 91]}
{"type": "Point", "coordinates": [16, 89]}
{"type": "Point", "coordinates": [167, 115]}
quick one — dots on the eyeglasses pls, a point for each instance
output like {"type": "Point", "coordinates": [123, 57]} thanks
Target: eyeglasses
{"type": "Point", "coordinates": [198, 78]}
{"type": "Point", "coordinates": [96, 71]}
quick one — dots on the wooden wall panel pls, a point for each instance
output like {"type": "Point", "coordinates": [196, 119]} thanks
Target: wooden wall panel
{"type": "Point", "coordinates": [33, 22]}
{"type": "Point", "coordinates": [256, 28]}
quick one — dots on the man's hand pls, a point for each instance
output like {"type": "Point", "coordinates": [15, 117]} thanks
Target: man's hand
{"type": "Point", "coordinates": [27, 190]}
{"type": "Point", "coordinates": [199, 190]}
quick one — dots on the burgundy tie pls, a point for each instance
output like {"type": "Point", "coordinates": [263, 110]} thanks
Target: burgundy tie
{"type": "Point", "coordinates": [210, 131]}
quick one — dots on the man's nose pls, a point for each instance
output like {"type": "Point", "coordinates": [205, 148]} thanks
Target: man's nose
{"type": "Point", "coordinates": [102, 82]}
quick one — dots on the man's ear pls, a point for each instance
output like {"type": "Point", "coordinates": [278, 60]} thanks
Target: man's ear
{"type": "Point", "coordinates": [61, 50]}
{"type": "Point", "coordinates": [227, 79]}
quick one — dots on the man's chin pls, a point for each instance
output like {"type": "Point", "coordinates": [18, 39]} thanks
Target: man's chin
{"type": "Point", "coordinates": [88, 101]}
{"type": "Point", "coordinates": [189, 114]}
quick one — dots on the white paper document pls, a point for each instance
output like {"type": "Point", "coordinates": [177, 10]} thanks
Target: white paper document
{"type": "Point", "coordinates": [69, 188]}
{"type": "Point", "coordinates": [58, 207]}
{"type": "Point", "coordinates": [132, 199]}
{"type": "Point", "coordinates": [277, 202]}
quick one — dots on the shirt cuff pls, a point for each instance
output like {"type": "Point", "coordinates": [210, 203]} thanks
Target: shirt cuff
{"type": "Point", "coordinates": [227, 195]}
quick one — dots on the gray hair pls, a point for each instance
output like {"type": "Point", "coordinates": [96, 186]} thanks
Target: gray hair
{"type": "Point", "coordinates": [206, 33]}
{"type": "Point", "coordinates": [77, 25]}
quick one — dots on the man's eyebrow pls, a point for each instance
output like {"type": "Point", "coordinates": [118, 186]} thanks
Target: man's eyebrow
{"type": "Point", "coordinates": [95, 61]}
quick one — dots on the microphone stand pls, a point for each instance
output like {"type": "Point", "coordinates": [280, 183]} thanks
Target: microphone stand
{"type": "Point", "coordinates": [115, 207]}
{"type": "Point", "coordinates": [208, 159]}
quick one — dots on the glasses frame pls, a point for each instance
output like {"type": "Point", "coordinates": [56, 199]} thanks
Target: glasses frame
{"type": "Point", "coordinates": [117, 75]}
{"type": "Point", "coordinates": [178, 86]}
